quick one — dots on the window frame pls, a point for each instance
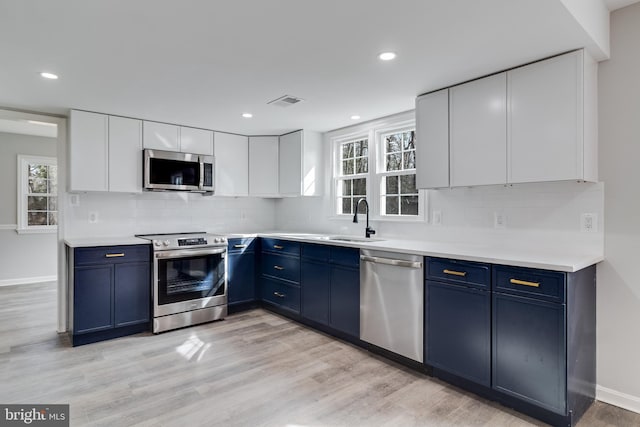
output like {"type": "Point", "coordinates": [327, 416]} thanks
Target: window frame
{"type": "Point", "coordinates": [23, 226]}
{"type": "Point", "coordinates": [336, 147]}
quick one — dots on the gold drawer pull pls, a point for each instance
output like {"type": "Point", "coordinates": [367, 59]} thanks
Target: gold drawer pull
{"type": "Point", "coordinates": [525, 283]}
{"type": "Point", "coordinates": [278, 294]}
{"type": "Point", "coordinates": [278, 247]}
{"type": "Point", "coordinates": [114, 255]}
{"type": "Point", "coordinates": [455, 273]}
{"type": "Point", "coordinates": [277, 267]}
{"type": "Point", "coordinates": [239, 246]}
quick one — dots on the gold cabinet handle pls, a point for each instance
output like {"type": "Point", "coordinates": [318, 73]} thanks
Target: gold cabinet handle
{"type": "Point", "coordinates": [278, 294]}
{"type": "Point", "coordinates": [455, 273]}
{"type": "Point", "coordinates": [278, 247]}
{"type": "Point", "coordinates": [239, 246]}
{"type": "Point", "coordinates": [277, 267]}
{"type": "Point", "coordinates": [114, 255]}
{"type": "Point", "coordinates": [525, 283]}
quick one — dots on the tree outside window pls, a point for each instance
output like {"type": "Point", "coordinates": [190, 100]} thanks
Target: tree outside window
{"type": "Point", "coordinates": [37, 194]}
{"type": "Point", "coordinates": [351, 182]}
{"type": "Point", "coordinates": [398, 192]}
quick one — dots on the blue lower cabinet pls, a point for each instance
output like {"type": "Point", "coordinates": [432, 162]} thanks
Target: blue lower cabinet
{"type": "Point", "coordinates": [283, 294]}
{"type": "Point", "coordinates": [131, 294]}
{"type": "Point", "coordinates": [458, 330]}
{"type": "Point", "coordinates": [241, 278]}
{"type": "Point", "coordinates": [92, 310]}
{"type": "Point", "coordinates": [529, 350]}
{"type": "Point", "coordinates": [315, 286]}
{"type": "Point", "coordinates": [344, 303]}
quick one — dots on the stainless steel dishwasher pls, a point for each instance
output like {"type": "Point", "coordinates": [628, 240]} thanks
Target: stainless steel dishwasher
{"type": "Point", "coordinates": [392, 302]}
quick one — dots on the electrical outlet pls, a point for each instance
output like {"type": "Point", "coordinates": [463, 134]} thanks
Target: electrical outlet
{"type": "Point", "coordinates": [589, 222]}
{"type": "Point", "coordinates": [74, 199]}
{"type": "Point", "coordinates": [93, 217]}
{"type": "Point", "coordinates": [436, 217]}
{"type": "Point", "coordinates": [499, 220]}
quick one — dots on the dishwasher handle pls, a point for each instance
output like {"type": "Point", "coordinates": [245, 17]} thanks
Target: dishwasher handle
{"type": "Point", "coordinates": [390, 261]}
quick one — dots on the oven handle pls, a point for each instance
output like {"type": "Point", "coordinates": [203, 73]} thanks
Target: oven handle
{"type": "Point", "coordinates": [181, 253]}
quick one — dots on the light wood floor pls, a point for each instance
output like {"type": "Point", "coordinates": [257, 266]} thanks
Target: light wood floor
{"type": "Point", "coordinates": [252, 369]}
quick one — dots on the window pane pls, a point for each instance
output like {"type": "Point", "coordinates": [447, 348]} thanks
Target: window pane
{"type": "Point", "coordinates": [392, 143]}
{"type": "Point", "coordinates": [360, 187]}
{"type": "Point", "coordinates": [36, 203]}
{"type": "Point", "coordinates": [408, 184]}
{"type": "Point", "coordinates": [53, 204]}
{"type": "Point", "coordinates": [53, 218]}
{"type": "Point", "coordinates": [409, 140]}
{"type": "Point", "coordinates": [364, 149]}
{"type": "Point", "coordinates": [37, 218]}
{"type": "Point", "coordinates": [38, 171]}
{"type": "Point", "coordinates": [347, 150]}
{"type": "Point", "coordinates": [362, 165]}
{"type": "Point", "coordinates": [355, 205]}
{"type": "Point", "coordinates": [392, 205]}
{"type": "Point", "coordinates": [393, 162]}
{"type": "Point", "coordinates": [346, 205]}
{"type": "Point", "coordinates": [410, 160]}
{"type": "Point", "coordinates": [347, 167]}
{"type": "Point", "coordinates": [346, 187]}
{"type": "Point", "coordinates": [53, 173]}
{"type": "Point", "coordinates": [37, 185]}
{"type": "Point", "coordinates": [409, 205]}
{"type": "Point", "coordinates": [392, 185]}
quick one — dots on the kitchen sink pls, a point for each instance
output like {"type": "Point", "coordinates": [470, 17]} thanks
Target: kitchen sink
{"type": "Point", "coordinates": [350, 239]}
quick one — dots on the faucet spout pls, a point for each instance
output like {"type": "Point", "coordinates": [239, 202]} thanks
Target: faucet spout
{"type": "Point", "coordinates": [368, 231]}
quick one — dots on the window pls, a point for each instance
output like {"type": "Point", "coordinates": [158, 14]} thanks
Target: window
{"type": "Point", "coordinates": [37, 194]}
{"type": "Point", "coordinates": [353, 170]}
{"type": "Point", "coordinates": [398, 192]}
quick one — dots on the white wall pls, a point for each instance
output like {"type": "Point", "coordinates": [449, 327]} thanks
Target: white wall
{"type": "Point", "coordinates": [23, 258]}
{"type": "Point", "coordinates": [618, 279]}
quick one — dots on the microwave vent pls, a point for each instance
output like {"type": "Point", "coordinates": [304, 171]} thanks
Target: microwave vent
{"type": "Point", "coordinates": [285, 101]}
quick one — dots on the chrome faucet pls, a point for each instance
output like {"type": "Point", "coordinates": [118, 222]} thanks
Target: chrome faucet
{"type": "Point", "coordinates": [367, 231]}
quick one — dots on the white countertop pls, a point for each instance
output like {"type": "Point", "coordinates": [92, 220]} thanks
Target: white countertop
{"type": "Point", "coordinates": [547, 258]}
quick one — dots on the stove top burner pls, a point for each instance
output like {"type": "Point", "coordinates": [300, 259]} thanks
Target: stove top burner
{"type": "Point", "coordinates": [168, 241]}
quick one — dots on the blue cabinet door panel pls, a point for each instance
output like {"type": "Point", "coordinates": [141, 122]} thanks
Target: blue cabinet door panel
{"type": "Point", "coordinates": [529, 350]}
{"type": "Point", "coordinates": [241, 277]}
{"type": "Point", "coordinates": [345, 300]}
{"type": "Point", "coordinates": [458, 329]}
{"type": "Point", "coordinates": [132, 293]}
{"type": "Point", "coordinates": [314, 288]}
{"type": "Point", "coordinates": [92, 294]}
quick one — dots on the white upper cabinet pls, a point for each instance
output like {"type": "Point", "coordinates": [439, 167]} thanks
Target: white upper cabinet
{"type": "Point", "coordinates": [553, 120]}
{"type": "Point", "coordinates": [300, 164]}
{"type": "Point", "coordinates": [231, 153]}
{"type": "Point", "coordinates": [432, 143]}
{"type": "Point", "coordinates": [88, 151]}
{"type": "Point", "coordinates": [197, 141]}
{"type": "Point", "coordinates": [161, 136]}
{"type": "Point", "coordinates": [478, 132]}
{"type": "Point", "coordinates": [263, 166]}
{"type": "Point", "coordinates": [125, 155]}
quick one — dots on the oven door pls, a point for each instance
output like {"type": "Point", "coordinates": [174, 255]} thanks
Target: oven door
{"type": "Point", "coordinates": [189, 279]}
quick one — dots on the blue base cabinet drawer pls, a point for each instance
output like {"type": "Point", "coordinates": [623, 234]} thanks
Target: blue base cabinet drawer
{"type": "Point", "coordinates": [112, 254]}
{"type": "Point", "coordinates": [281, 293]}
{"type": "Point", "coordinates": [528, 282]}
{"type": "Point", "coordinates": [281, 267]}
{"type": "Point", "coordinates": [281, 246]}
{"type": "Point", "coordinates": [465, 273]}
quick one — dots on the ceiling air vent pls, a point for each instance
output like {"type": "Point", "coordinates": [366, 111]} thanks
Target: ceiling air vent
{"type": "Point", "coordinates": [285, 101]}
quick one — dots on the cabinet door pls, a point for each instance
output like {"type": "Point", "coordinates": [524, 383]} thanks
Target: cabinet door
{"type": "Point", "coordinates": [290, 158]}
{"type": "Point", "coordinates": [344, 314]}
{"type": "Point", "coordinates": [161, 136]}
{"type": "Point", "coordinates": [478, 129]}
{"type": "Point", "coordinates": [545, 120]}
{"type": "Point", "coordinates": [92, 296]}
{"type": "Point", "coordinates": [88, 151]}
{"type": "Point", "coordinates": [432, 140]}
{"type": "Point", "coordinates": [198, 141]}
{"type": "Point", "coordinates": [125, 155]}
{"type": "Point", "coordinates": [529, 351]}
{"type": "Point", "coordinates": [314, 285]}
{"type": "Point", "coordinates": [132, 293]}
{"type": "Point", "coordinates": [263, 166]}
{"type": "Point", "coordinates": [458, 331]}
{"type": "Point", "coordinates": [231, 154]}
{"type": "Point", "coordinates": [241, 277]}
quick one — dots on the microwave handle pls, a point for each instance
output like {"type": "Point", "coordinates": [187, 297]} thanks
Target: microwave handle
{"type": "Point", "coordinates": [201, 183]}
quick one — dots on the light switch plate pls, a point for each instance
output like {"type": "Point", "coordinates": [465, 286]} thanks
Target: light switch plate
{"type": "Point", "coordinates": [589, 222]}
{"type": "Point", "coordinates": [74, 199]}
{"type": "Point", "coordinates": [499, 220]}
{"type": "Point", "coordinates": [93, 217]}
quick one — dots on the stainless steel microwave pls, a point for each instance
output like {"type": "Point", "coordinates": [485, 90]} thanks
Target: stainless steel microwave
{"type": "Point", "coordinates": [171, 171]}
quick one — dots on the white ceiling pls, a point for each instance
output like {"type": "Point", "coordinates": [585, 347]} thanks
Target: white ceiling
{"type": "Point", "coordinates": [203, 63]}
{"type": "Point", "coordinates": [617, 4]}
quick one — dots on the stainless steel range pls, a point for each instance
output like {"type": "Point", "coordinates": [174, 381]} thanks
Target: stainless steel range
{"type": "Point", "coordinates": [189, 279]}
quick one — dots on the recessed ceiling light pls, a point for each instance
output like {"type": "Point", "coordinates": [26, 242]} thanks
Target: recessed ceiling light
{"type": "Point", "coordinates": [247, 115]}
{"type": "Point", "coordinates": [50, 76]}
{"type": "Point", "coordinates": [387, 56]}
{"type": "Point", "coordinates": [356, 117]}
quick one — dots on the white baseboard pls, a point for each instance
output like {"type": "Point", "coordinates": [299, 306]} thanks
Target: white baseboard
{"type": "Point", "coordinates": [616, 398]}
{"type": "Point", "coordinates": [26, 280]}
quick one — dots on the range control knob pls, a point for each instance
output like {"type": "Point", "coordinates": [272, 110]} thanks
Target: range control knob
{"type": "Point", "coordinates": [217, 240]}
{"type": "Point", "coordinates": [156, 243]}
{"type": "Point", "coordinates": [165, 243]}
